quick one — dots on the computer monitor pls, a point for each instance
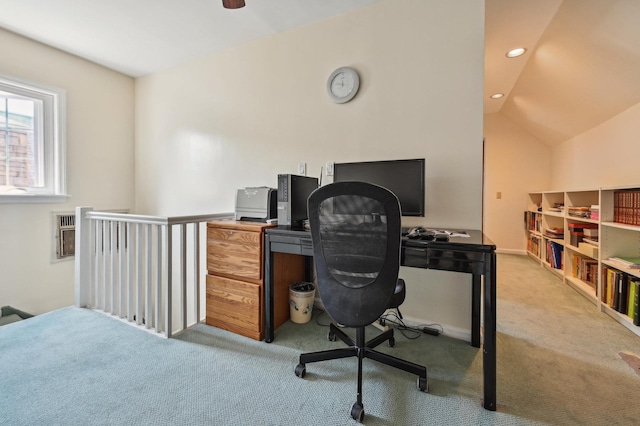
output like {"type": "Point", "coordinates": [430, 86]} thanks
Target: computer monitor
{"type": "Point", "coordinates": [405, 178]}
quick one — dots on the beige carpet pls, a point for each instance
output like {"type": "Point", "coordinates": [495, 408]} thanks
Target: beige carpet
{"type": "Point", "coordinates": [559, 353]}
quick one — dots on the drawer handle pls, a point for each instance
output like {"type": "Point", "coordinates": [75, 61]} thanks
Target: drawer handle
{"type": "Point", "coordinates": [229, 232]}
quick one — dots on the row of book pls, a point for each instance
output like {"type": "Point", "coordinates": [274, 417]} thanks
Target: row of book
{"type": "Point", "coordinates": [533, 221]}
{"type": "Point", "coordinates": [621, 292]}
{"type": "Point", "coordinates": [585, 269]}
{"type": "Point", "coordinates": [626, 207]}
{"type": "Point", "coordinates": [554, 255]}
{"type": "Point", "coordinates": [533, 245]}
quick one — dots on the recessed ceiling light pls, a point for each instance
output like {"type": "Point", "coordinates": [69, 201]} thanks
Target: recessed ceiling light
{"type": "Point", "coordinates": [497, 95]}
{"type": "Point", "coordinates": [516, 52]}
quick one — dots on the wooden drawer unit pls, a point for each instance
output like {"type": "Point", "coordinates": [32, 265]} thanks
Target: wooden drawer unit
{"type": "Point", "coordinates": [235, 282]}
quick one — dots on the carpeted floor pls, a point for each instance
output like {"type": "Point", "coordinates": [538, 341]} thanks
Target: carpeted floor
{"type": "Point", "coordinates": [559, 363]}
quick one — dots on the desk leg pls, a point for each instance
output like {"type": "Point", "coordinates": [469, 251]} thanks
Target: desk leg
{"type": "Point", "coordinates": [476, 302]}
{"type": "Point", "coordinates": [489, 347]}
{"type": "Point", "coordinates": [268, 289]}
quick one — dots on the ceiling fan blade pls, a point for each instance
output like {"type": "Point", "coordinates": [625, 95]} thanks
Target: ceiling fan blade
{"type": "Point", "coordinates": [232, 4]}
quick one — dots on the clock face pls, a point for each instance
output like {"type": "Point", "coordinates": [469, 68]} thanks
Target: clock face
{"type": "Point", "coordinates": [343, 84]}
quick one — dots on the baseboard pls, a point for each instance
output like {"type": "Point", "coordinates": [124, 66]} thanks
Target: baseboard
{"type": "Point", "coordinates": [447, 330]}
{"type": "Point", "coordinates": [511, 251]}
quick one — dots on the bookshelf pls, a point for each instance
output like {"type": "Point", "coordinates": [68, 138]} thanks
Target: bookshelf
{"type": "Point", "coordinates": [590, 237]}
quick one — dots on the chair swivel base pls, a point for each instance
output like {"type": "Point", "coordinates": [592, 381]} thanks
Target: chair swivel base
{"type": "Point", "coordinates": [361, 349]}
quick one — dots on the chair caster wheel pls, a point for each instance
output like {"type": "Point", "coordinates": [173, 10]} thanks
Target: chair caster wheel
{"type": "Point", "coordinates": [357, 412]}
{"type": "Point", "coordinates": [423, 385]}
{"type": "Point", "coordinates": [392, 342]}
{"type": "Point", "coordinates": [300, 370]}
{"type": "Point", "coordinates": [331, 336]}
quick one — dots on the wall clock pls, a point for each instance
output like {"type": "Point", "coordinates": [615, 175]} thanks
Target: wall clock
{"type": "Point", "coordinates": [343, 84]}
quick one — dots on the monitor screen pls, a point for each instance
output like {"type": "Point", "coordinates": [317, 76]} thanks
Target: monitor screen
{"type": "Point", "coordinates": [405, 178]}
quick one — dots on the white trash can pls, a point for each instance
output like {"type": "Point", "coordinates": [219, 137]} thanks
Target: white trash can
{"type": "Point", "coordinates": [301, 297]}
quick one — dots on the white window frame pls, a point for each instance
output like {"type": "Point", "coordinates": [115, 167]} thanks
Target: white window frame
{"type": "Point", "coordinates": [54, 142]}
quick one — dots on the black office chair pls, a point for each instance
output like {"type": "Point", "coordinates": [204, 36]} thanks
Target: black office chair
{"type": "Point", "coordinates": [355, 230]}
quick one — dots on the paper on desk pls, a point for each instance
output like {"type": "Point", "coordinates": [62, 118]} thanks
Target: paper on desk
{"type": "Point", "coordinates": [454, 234]}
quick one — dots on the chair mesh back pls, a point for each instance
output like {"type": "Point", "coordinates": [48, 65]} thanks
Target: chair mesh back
{"type": "Point", "coordinates": [353, 241]}
{"type": "Point", "coordinates": [355, 229]}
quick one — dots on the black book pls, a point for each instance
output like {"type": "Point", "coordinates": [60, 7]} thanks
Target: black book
{"type": "Point", "coordinates": [624, 294]}
{"type": "Point", "coordinates": [616, 291]}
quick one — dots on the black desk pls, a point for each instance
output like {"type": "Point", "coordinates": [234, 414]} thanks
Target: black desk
{"type": "Point", "coordinates": [474, 255]}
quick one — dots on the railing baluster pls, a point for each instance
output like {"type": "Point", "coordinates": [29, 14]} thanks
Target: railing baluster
{"type": "Point", "coordinates": [169, 312]}
{"type": "Point", "coordinates": [122, 270]}
{"type": "Point", "coordinates": [114, 266]}
{"type": "Point", "coordinates": [196, 268]}
{"type": "Point", "coordinates": [148, 291]}
{"type": "Point", "coordinates": [131, 270]}
{"type": "Point", "coordinates": [99, 267]}
{"type": "Point", "coordinates": [183, 275]}
{"type": "Point", "coordinates": [159, 254]}
{"type": "Point", "coordinates": [139, 270]}
{"type": "Point", "coordinates": [106, 265]}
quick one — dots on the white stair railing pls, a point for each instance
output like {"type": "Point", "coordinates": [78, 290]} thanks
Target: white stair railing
{"type": "Point", "coordinates": [145, 270]}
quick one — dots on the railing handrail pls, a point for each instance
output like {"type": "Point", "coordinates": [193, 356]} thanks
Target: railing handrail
{"type": "Point", "coordinates": [156, 220]}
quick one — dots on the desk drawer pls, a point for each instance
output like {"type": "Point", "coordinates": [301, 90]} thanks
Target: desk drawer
{"type": "Point", "coordinates": [291, 244]}
{"type": "Point", "coordinates": [235, 306]}
{"type": "Point", "coordinates": [446, 260]}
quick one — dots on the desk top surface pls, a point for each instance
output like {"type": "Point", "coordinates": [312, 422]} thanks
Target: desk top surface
{"type": "Point", "coordinates": [476, 240]}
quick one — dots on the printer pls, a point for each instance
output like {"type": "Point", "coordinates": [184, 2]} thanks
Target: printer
{"type": "Point", "coordinates": [257, 204]}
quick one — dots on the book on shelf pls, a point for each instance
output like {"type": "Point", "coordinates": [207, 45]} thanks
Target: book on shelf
{"type": "Point", "coordinates": [590, 232]}
{"type": "Point", "coordinates": [555, 253]}
{"type": "Point", "coordinates": [631, 308]}
{"type": "Point", "coordinates": [581, 212]}
{"type": "Point", "coordinates": [623, 296]}
{"type": "Point", "coordinates": [554, 232]}
{"type": "Point", "coordinates": [636, 303]}
{"type": "Point", "coordinates": [626, 207]}
{"type": "Point", "coordinates": [586, 270]}
{"type": "Point", "coordinates": [627, 262]}
{"type": "Point", "coordinates": [621, 292]}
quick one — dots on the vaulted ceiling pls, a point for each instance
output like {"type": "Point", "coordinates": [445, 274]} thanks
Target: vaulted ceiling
{"type": "Point", "coordinates": [582, 64]}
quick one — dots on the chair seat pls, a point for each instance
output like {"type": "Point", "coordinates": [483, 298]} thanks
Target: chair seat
{"type": "Point", "coordinates": [398, 295]}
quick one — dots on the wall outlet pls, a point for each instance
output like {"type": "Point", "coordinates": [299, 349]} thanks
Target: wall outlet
{"type": "Point", "coordinates": [328, 167]}
{"type": "Point", "coordinates": [302, 169]}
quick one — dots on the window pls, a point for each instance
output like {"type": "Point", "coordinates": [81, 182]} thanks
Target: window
{"type": "Point", "coordinates": [32, 142]}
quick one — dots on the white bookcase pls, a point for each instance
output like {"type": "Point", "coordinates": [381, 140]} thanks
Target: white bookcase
{"type": "Point", "coordinates": [582, 266]}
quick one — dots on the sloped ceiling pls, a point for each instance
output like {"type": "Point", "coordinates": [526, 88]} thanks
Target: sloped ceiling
{"type": "Point", "coordinates": [583, 70]}
{"type": "Point", "coordinates": [138, 37]}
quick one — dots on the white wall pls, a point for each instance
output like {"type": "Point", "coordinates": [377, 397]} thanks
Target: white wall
{"type": "Point", "coordinates": [241, 117]}
{"type": "Point", "coordinates": [100, 129]}
{"type": "Point", "coordinates": [604, 156]}
{"type": "Point", "coordinates": [516, 163]}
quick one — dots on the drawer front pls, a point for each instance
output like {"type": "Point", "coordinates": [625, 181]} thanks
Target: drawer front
{"type": "Point", "coordinates": [233, 236]}
{"type": "Point", "coordinates": [235, 253]}
{"type": "Point", "coordinates": [235, 306]}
